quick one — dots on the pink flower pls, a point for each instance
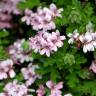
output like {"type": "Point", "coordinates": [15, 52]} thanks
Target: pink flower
{"type": "Point", "coordinates": [6, 69]}
{"type": "Point", "coordinates": [37, 22]}
{"type": "Point", "coordinates": [7, 8]}
{"type": "Point", "coordinates": [45, 13]}
{"type": "Point", "coordinates": [93, 66]}
{"type": "Point", "coordinates": [46, 43]}
{"type": "Point", "coordinates": [29, 74]}
{"type": "Point", "coordinates": [40, 91]}
{"type": "Point", "coordinates": [57, 39]}
{"type": "Point", "coordinates": [17, 54]}
{"type": "Point", "coordinates": [28, 16]}
{"type": "Point", "coordinates": [15, 89]}
{"type": "Point", "coordinates": [55, 88]}
{"type": "Point", "coordinates": [43, 18]}
{"type": "Point", "coordinates": [55, 12]}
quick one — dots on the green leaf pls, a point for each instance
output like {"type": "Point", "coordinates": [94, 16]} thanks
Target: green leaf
{"type": "Point", "coordinates": [28, 4]}
{"type": "Point", "coordinates": [88, 88]}
{"type": "Point", "coordinates": [43, 70]}
{"type": "Point", "coordinates": [48, 61]}
{"type": "Point", "coordinates": [3, 53]}
{"type": "Point", "coordinates": [36, 55]}
{"type": "Point", "coordinates": [4, 33]}
{"type": "Point", "coordinates": [84, 74]}
{"type": "Point", "coordinates": [80, 59]}
{"type": "Point", "coordinates": [69, 59]}
{"type": "Point", "coordinates": [19, 77]}
{"type": "Point", "coordinates": [62, 2]}
{"type": "Point", "coordinates": [72, 80]}
{"type": "Point", "coordinates": [1, 87]}
{"type": "Point", "coordinates": [54, 74]}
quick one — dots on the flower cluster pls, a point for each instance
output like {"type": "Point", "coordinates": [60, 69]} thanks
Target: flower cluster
{"type": "Point", "coordinates": [42, 21]}
{"type": "Point", "coordinates": [46, 43]}
{"type": "Point", "coordinates": [6, 8]}
{"type": "Point", "coordinates": [43, 18]}
{"type": "Point", "coordinates": [6, 69]}
{"type": "Point", "coordinates": [9, 6]}
{"type": "Point", "coordinates": [15, 89]}
{"type": "Point", "coordinates": [87, 40]}
{"type": "Point", "coordinates": [29, 74]}
{"type": "Point", "coordinates": [54, 88]}
{"type": "Point", "coordinates": [17, 54]}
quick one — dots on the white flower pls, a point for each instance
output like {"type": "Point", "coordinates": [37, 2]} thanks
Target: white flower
{"type": "Point", "coordinates": [73, 36]}
{"type": "Point", "coordinates": [87, 40]}
{"type": "Point", "coordinates": [68, 94]}
{"type": "Point", "coordinates": [88, 47]}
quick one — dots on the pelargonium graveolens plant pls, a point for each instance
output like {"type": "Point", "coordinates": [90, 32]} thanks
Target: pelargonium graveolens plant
{"type": "Point", "coordinates": [47, 48]}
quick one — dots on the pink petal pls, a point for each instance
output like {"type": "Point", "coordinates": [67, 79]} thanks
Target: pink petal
{"type": "Point", "coordinates": [59, 85]}
{"type": "Point", "coordinates": [50, 84]}
{"type": "Point", "coordinates": [12, 73]}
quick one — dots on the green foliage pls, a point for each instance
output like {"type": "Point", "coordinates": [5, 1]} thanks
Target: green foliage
{"type": "Point", "coordinates": [3, 41]}
{"type": "Point", "coordinates": [1, 87]}
{"type": "Point", "coordinates": [69, 59]}
{"type": "Point", "coordinates": [28, 4]}
{"type": "Point", "coordinates": [88, 88]}
{"type": "Point", "coordinates": [72, 80]}
{"type": "Point", "coordinates": [75, 15]}
{"type": "Point", "coordinates": [3, 53]}
{"type": "Point", "coordinates": [3, 37]}
{"type": "Point", "coordinates": [3, 33]}
{"type": "Point", "coordinates": [19, 77]}
{"type": "Point", "coordinates": [62, 2]}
